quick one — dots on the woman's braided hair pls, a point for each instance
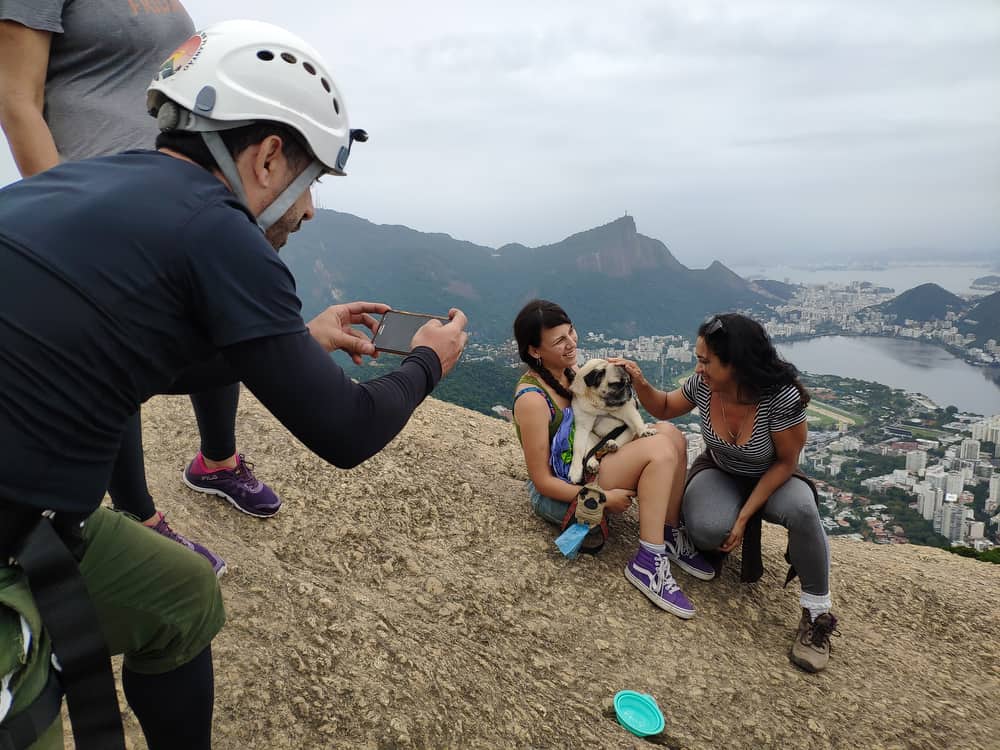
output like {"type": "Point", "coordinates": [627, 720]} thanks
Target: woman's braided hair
{"type": "Point", "coordinates": [535, 317]}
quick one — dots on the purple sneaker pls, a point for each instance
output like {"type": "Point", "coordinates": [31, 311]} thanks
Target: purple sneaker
{"type": "Point", "coordinates": [163, 529]}
{"type": "Point", "coordinates": [239, 486]}
{"type": "Point", "coordinates": [650, 572]}
{"type": "Point", "coordinates": [686, 555]}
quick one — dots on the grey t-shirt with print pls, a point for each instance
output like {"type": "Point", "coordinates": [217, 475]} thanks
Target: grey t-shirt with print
{"type": "Point", "coordinates": [103, 56]}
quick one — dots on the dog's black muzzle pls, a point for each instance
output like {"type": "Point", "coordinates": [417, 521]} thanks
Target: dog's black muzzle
{"type": "Point", "coordinates": [619, 394]}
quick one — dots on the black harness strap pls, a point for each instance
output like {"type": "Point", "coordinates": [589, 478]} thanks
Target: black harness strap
{"type": "Point", "coordinates": [18, 732]}
{"type": "Point", "coordinates": [603, 441]}
{"type": "Point", "coordinates": [68, 614]}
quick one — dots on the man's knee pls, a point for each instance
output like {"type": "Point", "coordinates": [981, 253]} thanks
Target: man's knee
{"type": "Point", "coordinates": [167, 610]}
{"type": "Point", "coordinates": [189, 622]}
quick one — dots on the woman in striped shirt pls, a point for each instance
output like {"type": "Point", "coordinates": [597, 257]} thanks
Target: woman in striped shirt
{"type": "Point", "coordinates": [753, 422]}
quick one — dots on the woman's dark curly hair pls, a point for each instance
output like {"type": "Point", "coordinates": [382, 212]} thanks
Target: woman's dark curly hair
{"type": "Point", "coordinates": [758, 369]}
{"type": "Point", "coordinates": [535, 317]}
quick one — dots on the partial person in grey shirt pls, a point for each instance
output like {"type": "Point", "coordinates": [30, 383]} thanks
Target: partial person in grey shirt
{"type": "Point", "coordinates": [73, 78]}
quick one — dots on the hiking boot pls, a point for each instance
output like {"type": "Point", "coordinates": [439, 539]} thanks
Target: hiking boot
{"type": "Point", "coordinates": [811, 649]}
{"type": "Point", "coordinates": [650, 572]}
{"type": "Point", "coordinates": [239, 486]}
{"type": "Point", "coordinates": [682, 551]}
{"type": "Point", "coordinates": [163, 529]}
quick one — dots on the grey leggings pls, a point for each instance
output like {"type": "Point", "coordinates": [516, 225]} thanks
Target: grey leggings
{"type": "Point", "coordinates": [713, 499]}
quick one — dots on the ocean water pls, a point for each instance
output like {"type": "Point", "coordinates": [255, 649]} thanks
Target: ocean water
{"type": "Point", "coordinates": [955, 277]}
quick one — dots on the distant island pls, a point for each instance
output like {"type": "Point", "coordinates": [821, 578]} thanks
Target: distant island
{"type": "Point", "coordinates": [986, 284]}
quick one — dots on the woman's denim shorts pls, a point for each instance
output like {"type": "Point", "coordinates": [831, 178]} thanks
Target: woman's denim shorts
{"type": "Point", "coordinates": [553, 511]}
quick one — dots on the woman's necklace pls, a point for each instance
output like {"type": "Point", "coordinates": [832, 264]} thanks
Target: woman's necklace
{"type": "Point", "coordinates": [734, 437]}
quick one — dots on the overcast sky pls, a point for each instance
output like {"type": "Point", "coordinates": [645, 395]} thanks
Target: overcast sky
{"type": "Point", "coordinates": [730, 130]}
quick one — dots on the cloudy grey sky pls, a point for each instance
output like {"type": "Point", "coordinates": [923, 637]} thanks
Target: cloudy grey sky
{"type": "Point", "coordinates": [731, 130]}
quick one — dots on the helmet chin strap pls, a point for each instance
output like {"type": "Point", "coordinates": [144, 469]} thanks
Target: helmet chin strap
{"type": "Point", "coordinates": [279, 205]}
{"type": "Point", "coordinates": [290, 194]}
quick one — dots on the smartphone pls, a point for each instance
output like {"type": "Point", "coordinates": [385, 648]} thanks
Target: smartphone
{"type": "Point", "coordinates": [396, 330]}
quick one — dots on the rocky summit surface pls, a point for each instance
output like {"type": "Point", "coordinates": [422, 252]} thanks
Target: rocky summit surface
{"type": "Point", "coordinates": [415, 602]}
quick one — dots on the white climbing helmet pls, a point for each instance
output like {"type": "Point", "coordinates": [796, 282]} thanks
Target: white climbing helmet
{"type": "Point", "coordinates": [235, 73]}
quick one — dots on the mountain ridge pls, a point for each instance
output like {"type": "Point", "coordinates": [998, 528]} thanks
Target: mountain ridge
{"type": "Point", "coordinates": [923, 303]}
{"type": "Point", "coordinates": [339, 257]}
{"type": "Point", "coordinates": [986, 313]}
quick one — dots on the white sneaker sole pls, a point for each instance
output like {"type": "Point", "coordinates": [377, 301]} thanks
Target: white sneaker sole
{"type": "Point", "coordinates": [684, 614]}
{"type": "Point", "coordinates": [690, 570]}
{"type": "Point", "coordinates": [222, 494]}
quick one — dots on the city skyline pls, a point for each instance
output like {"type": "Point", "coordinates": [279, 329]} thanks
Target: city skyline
{"type": "Point", "coordinates": [758, 130]}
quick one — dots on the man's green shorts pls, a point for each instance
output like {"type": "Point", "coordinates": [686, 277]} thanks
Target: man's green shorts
{"type": "Point", "coordinates": [158, 603]}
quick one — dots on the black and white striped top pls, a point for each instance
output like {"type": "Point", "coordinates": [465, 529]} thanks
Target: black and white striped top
{"type": "Point", "coordinates": [774, 414]}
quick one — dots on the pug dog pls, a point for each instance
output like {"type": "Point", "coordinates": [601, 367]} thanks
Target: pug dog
{"type": "Point", "coordinates": [603, 399]}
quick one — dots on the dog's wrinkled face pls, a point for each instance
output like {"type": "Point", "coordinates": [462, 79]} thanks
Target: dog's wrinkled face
{"type": "Point", "coordinates": [603, 384]}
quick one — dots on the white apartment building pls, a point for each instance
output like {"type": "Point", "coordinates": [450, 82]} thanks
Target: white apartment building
{"type": "Point", "coordinates": [954, 482]}
{"type": "Point", "coordinates": [836, 463]}
{"type": "Point", "coordinates": [903, 478]}
{"type": "Point", "coordinates": [974, 529]}
{"type": "Point", "coordinates": [988, 429]}
{"type": "Point", "coordinates": [952, 521]}
{"type": "Point", "coordinates": [695, 446]}
{"type": "Point", "coordinates": [970, 449]}
{"type": "Point", "coordinates": [916, 462]}
{"type": "Point", "coordinates": [929, 501]}
{"type": "Point", "coordinates": [937, 477]}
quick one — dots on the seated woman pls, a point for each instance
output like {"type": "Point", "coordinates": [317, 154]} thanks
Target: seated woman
{"type": "Point", "coordinates": [652, 467]}
{"type": "Point", "coordinates": [753, 421]}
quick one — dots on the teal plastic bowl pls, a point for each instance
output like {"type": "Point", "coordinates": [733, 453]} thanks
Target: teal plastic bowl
{"type": "Point", "coordinates": [638, 713]}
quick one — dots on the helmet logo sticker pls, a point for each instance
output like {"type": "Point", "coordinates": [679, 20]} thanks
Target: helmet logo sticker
{"type": "Point", "coordinates": [182, 56]}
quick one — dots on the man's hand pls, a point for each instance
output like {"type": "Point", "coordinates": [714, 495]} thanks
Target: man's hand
{"type": "Point", "coordinates": [333, 329]}
{"type": "Point", "coordinates": [447, 340]}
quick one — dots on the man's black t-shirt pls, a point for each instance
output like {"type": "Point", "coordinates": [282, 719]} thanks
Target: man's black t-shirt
{"type": "Point", "coordinates": [116, 274]}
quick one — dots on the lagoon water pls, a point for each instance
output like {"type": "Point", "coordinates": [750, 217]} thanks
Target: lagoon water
{"type": "Point", "coordinates": [899, 363]}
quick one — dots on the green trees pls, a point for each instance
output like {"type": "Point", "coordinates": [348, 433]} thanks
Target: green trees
{"type": "Point", "coordinates": [989, 556]}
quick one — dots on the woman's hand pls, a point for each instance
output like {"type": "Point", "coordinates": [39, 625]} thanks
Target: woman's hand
{"type": "Point", "coordinates": [735, 537]}
{"type": "Point", "coordinates": [633, 370]}
{"type": "Point", "coordinates": [619, 501]}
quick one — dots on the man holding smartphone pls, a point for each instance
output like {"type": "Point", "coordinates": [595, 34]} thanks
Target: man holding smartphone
{"type": "Point", "coordinates": [187, 292]}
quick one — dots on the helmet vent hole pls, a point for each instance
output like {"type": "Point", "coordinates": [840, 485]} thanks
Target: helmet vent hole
{"type": "Point", "coordinates": [288, 58]}
{"type": "Point", "coordinates": [265, 55]}
{"type": "Point", "coordinates": [326, 84]}
{"type": "Point", "coordinates": [336, 105]}
{"type": "Point", "coordinates": [309, 68]}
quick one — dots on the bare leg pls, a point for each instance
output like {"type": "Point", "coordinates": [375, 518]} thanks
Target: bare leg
{"type": "Point", "coordinates": [650, 466]}
{"type": "Point", "coordinates": [679, 444]}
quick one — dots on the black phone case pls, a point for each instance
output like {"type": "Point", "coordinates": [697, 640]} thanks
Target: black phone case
{"type": "Point", "coordinates": [395, 337]}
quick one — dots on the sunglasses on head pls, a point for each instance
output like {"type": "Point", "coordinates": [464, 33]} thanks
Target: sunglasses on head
{"type": "Point", "coordinates": [713, 325]}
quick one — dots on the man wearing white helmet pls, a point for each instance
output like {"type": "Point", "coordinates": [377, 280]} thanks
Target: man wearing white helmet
{"type": "Point", "coordinates": [187, 291]}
